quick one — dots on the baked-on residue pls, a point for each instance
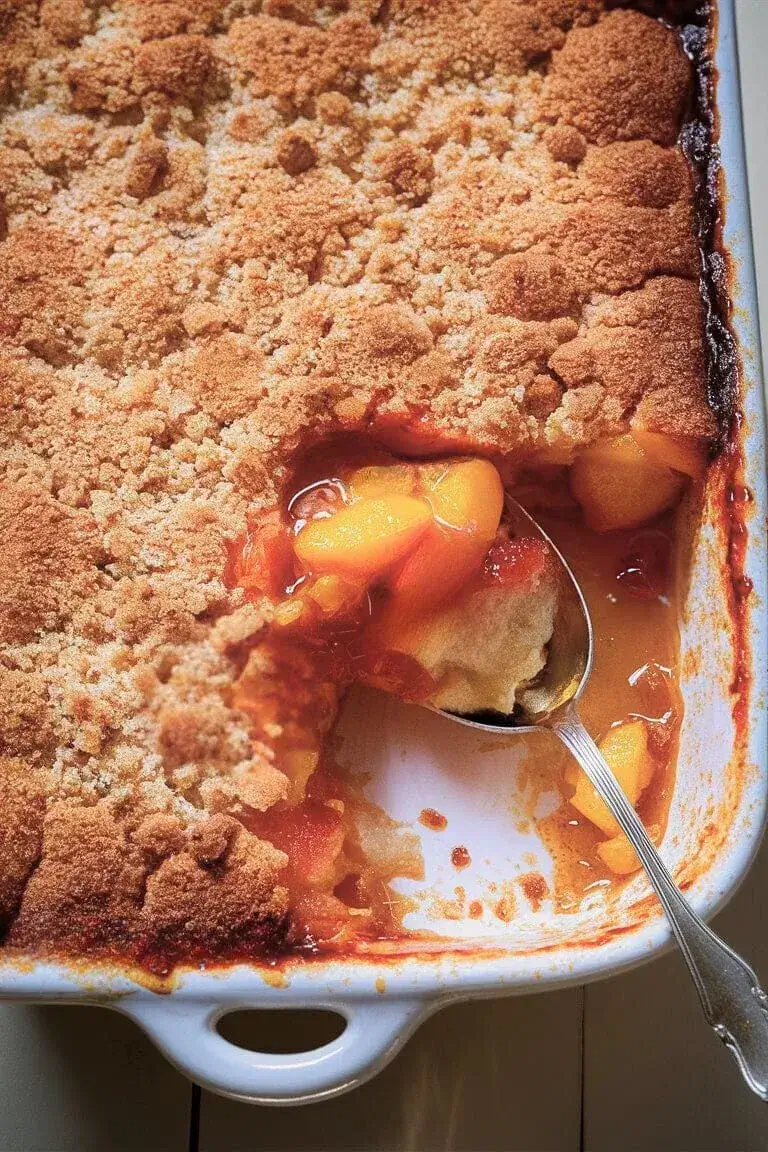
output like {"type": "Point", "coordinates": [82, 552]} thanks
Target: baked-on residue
{"type": "Point", "coordinates": [226, 225]}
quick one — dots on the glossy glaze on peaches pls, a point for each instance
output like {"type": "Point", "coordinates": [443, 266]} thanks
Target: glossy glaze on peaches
{"type": "Point", "coordinates": [402, 575]}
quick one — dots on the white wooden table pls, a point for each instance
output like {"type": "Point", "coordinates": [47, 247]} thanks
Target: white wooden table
{"type": "Point", "coordinates": [627, 1064]}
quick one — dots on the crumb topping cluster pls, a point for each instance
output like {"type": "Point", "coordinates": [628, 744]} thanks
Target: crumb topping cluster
{"type": "Point", "coordinates": [227, 224]}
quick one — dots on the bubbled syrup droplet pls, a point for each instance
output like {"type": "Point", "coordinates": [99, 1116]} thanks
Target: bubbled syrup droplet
{"type": "Point", "coordinates": [519, 561]}
{"type": "Point", "coordinates": [644, 571]}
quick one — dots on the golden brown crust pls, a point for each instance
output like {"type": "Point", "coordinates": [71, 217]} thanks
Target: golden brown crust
{"type": "Point", "coordinates": [295, 61]}
{"type": "Point", "coordinates": [26, 716]}
{"type": "Point", "coordinates": [224, 227]}
{"type": "Point", "coordinates": [637, 349]}
{"type": "Point", "coordinates": [48, 563]}
{"type": "Point", "coordinates": [221, 892]}
{"type": "Point", "coordinates": [624, 78]}
{"type": "Point", "coordinates": [158, 893]}
{"type": "Point", "coordinates": [86, 889]}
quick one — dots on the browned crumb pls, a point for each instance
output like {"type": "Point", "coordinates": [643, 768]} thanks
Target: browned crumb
{"type": "Point", "coordinates": [624, 78]}
{"type": "Point", "coordinates": [149, 161]}
{"type": "Point", "coordinates": [408, 168]}
{"type": "Point", "coordinates": [177, 66]}
{"type": "Point", "coordinates": [93, 887]}
{"type": "Point", "coordinates": [566, 143]}
{"type": "Point", "coordinates": [67, 20]}
{"type": "Point", "coordinates": [25, 715]}
{"type": "Point", "coordinates": [531, 286]}
{"type": "Point", "coordinates": [295, 61]}
{"type": "Point", "coordinates": [48, 563]}
{"type": "Point", "coordinates": [295, 152]}
{"type": "Point", "coordinates": [223, 228]}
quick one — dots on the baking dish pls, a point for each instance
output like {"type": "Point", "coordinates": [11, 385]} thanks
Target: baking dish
{"type": "Point", "coordinates": [715, 821]}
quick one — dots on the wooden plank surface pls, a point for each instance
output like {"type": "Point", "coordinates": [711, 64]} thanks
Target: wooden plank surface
{"type": "Point", "coordinates": [76, 1079]}
{"type": "Point", "coordinates": [655, 1077]}
{"type": "Point", "coordinates": [498, 1075]}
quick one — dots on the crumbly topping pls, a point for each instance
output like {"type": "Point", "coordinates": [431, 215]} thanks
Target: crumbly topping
{"type": "Point", "coordinates": [227, 225]}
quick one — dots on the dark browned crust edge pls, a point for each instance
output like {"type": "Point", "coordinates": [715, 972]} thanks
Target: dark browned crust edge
{"type": "Point", "coordinates": [699, 140]}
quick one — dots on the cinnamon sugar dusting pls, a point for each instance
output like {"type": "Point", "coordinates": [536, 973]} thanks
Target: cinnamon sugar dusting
{"type": "Point", "coordinates": [224, 228]}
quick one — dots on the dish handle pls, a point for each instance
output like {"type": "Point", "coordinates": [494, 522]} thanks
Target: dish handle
{"type": "Point", "coordinates": [186, 1032]}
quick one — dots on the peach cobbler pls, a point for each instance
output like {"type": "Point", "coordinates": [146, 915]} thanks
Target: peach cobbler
{"type": "Point", "coordinates": [292, 293]}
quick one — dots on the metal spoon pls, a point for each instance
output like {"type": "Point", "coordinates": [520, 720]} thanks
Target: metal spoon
{"type": "Point", "coordinates": [733, 1001]}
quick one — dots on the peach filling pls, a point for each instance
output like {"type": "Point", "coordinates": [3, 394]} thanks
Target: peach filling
{"type": "Point", "coordinates": [382, 569]}
{"type": "Point", "coordinates": [371, 574]}
{"type": "Point", "coordinates": [402, 575]}
{"type": "Point", "coordinates": [627, 753]}
{"type": "Point", "coordinates": [419, 531]}
{"type": "Point", "coordinates": [626, 481]}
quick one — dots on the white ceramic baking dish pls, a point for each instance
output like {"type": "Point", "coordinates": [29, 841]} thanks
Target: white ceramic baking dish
{"type": "Point", "coordinates": [415, 758]}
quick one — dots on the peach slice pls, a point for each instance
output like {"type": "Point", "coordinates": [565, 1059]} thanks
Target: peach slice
{"type": "Point", "coordinates": [289, 612]}
{"type": "Point", "coordinates": [619, 856]}
{"type": "Point", "coordinates": [382, 480]}
{"type": "Point", "coordinates": [466, 498]}
{"type": "Point", "coordinates": [465, 494]}
{"type": "Point", "coordinates": [626, 750]}
{"type": "Point", "coordinates": [298, 765]}
{"type": "Point", "coordinates": [334, 594]}
{"type": "Point", "coordinates": [364, 538]}
{"type": "Point", "coordinates": [681, 453]}
{"type": "Point", "coordinates": [620, 485]}
{"type": "Point", "coordinates": [322, 915]}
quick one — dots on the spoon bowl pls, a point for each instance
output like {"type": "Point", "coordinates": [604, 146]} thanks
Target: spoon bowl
{"type": "Point", "coordinates": [734, 1004]}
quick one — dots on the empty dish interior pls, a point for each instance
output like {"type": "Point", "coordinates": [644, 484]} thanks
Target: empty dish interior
{"type": "Point", "coordinates": [489, 875]}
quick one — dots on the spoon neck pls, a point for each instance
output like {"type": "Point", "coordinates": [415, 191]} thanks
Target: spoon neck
{"type": "Point", "coordinates": [733, 1001]}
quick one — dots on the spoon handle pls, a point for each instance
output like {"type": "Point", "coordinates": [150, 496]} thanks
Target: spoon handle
{"type": "Point", "coordinates": [733, 1001]}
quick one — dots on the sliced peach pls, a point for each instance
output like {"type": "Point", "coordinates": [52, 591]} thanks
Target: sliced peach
{"type": "Point", "coordinates": [626, 750]}
{"type": "Point", "coordinates": [466, 498]}
{"type": "Point", "coordinates": [619, 856]}
{"type": "Point", "coordinates": [619, 485]}
{"type": "Point", "coordinates": [365, 538]}
{"type": "Point", "coordinates": [625, 747]}
{"type": "Point", "coordinates": [289, 612]}
{"type": "Point", "coordinates": [682, 453]}
{"type": "Point", "coordinates": [465, 495]}
{"type": "Point", "coordinates": [323, 916]}
{"type": "Point", "coordinates": [382, 480]}
{"type": "Point", "coordinates": [334, 594]}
